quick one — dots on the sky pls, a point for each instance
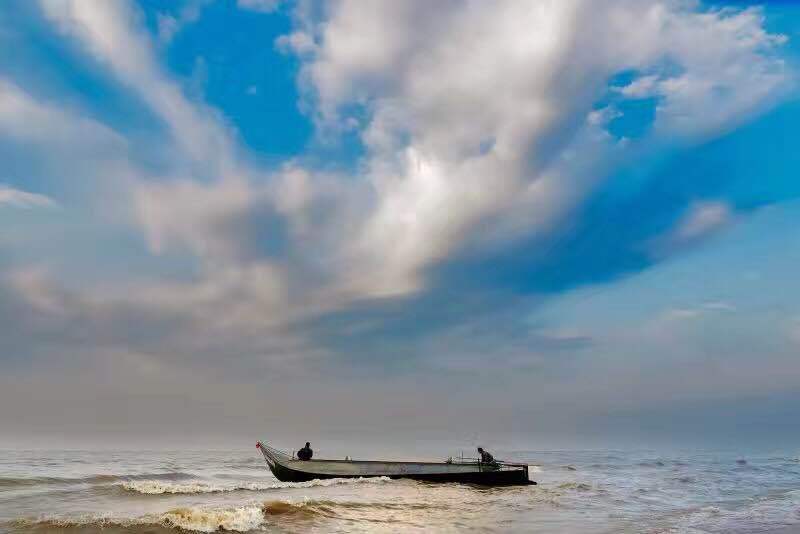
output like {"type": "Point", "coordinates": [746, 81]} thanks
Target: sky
{"type": "Point", "coordinates": [554, 223]}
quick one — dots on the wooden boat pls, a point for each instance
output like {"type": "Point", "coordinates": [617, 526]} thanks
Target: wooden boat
{"type": "Point", "coordinates": [287, 468]}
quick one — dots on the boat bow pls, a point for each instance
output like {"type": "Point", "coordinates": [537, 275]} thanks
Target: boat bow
{"type": "Point", "coordinates": [273, 456]}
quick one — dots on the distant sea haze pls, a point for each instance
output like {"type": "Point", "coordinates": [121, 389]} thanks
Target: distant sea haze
{"type": "Point", "coordinates": [578, 491]}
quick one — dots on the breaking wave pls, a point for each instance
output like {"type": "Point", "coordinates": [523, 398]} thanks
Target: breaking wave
{"type": "Point", "coordinates": [194, 519]}
{"type": "Point", "coordinates": [158, 487]}
{"type": "Point", "coordinates": [10, 482]}
{"type": "Point", "coordinates": [191, 518]}
{"type": "Point", "coordinates": [203, 519]}
{"type": "Point", "coordinates": [240, 519]}
{"type": "Point", "coordinates": [303, 509]}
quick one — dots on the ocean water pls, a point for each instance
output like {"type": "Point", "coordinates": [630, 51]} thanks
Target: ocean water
{"type": "Point", "coordinates": [578, 491]}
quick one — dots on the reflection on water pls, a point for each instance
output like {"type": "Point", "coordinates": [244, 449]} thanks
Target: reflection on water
{"type": "Point", "coordinates": [597, 491]}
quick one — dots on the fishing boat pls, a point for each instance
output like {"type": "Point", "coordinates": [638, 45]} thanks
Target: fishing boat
{"type": "Point", "coordinates": [287, 468]}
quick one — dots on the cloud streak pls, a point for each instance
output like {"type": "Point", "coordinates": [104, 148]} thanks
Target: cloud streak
{"type": "Point", "coordinates": [23, 199]}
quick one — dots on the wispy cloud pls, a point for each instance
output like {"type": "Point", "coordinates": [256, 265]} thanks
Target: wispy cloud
{"type": "Point", "coordinates": [169, 25]}
{"type": "Point", "coordinates": [110, 33]}
{"type": "Point", "coordinates": [23, 199]}
{"type": "Point", "coordinates": [264, 6]}
{"type": "Point", "coordinates": [695, 312]}
{"type": "Point", "coordinates": [700, 221]}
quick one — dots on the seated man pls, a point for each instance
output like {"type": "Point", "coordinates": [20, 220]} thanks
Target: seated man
{"type": "Point", "coordinates": [305, 453]}
{"type": "Point", "coordinates": [486, 458]}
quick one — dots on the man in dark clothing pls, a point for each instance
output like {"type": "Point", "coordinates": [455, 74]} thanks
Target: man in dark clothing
{"type": "Point", "coordinates": [305, 453]}
{"type": "Point", "coordinates": [486, 458]}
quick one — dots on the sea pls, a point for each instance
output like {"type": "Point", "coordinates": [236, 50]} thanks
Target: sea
{"type": "Point", "coordinates": [118, 491]}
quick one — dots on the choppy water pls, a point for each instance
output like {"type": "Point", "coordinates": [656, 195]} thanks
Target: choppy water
{"type": "Point", "coordinates": [592, 492]}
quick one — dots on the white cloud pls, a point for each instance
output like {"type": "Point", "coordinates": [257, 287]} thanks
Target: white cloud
{"type": "Point", "coordinates": [299, 42]}
{"type": "Point", "coordinates": [281, 240]}
{"type": "Point", "coordinates": [720, 306]}
{"type": "Point", "coordinates": [468, 116]}
{"type": "Point", "coordinates": [725, 72]}
{"type": "Point", "coordinates": [601, 117]}
{"type": "Point", "coordinates": [240, 222]}
{"type": "Point", "coordinates": [79, 156]}
{"type": "Point", "coordinates": [460, 102]}
{"type": "Point", "coordinates": [702, 220]}
{"type": "Point", "coordinates": [169, 218]}
{"type": "Point", "coordinates": [695, 312]}
{"type": "Point", "coordinates": [642, 87]}
{"type": "Point", "coordinates": [169, 25]}
{"type": "Point", "coordinates": [264, 6]}
{"type": "Point", "coordinates": [23, 199]}
{"type": "Point", "coordinates": [26, 119]}
{"type": "Point", "coordinates": [457, 107]}
{"type": "Point", "coordinates": [111, 33]}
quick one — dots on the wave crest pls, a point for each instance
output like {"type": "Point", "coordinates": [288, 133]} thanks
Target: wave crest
{"type": "Point", "coordinates": [159, 487]}
{"type": "Point", "coordinates": [239, 519]}
{"type": "Point", "coordinates": [303, 509]}
{"type": "Point", "coordinates": [244, 518]}
{"type": "Point", "coordinates": [6, 482]}
{"type": "Point", "coordinates": [193, 519]}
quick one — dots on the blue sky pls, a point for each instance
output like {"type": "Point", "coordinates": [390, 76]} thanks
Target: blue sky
{"type": "Point", "coordinates": [561, 220]}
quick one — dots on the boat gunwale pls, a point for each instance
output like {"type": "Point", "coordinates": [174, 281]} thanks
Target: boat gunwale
{"type": "Point", "coordinates": [500, 464]}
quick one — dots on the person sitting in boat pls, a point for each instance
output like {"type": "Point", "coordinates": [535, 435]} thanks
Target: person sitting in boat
{"type": "Point", "coordinates": [305, 453]}
{"type": "Point", "coordinates": [486, 458]}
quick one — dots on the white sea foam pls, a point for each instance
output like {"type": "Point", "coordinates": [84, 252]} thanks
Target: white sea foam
{"type": "Point", "coordinates": [240, 519]}
{"type": "Point", "coordinates": [332, 482]}
{"type": "Point", "coordinates": [759, 515]}
{"type": "Point", "coordinates": [195, 519]}
{"type": "Point", "coordinates": [159, 487]}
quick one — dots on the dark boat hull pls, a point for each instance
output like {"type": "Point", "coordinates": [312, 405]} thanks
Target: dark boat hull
{"type": "Point", "coordinates": [483, 478]}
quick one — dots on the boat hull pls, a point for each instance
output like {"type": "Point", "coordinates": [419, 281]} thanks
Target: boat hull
{"type": "Point", "coordinates": [288, 469]}
{"type": "Point", "coordinates": [515, 477]}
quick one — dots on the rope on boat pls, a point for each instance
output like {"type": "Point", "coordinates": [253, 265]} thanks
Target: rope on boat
{"type": "Point", "coordinates": [274, 450]}
{"type": "Point", "coordinates": [271, 454]}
